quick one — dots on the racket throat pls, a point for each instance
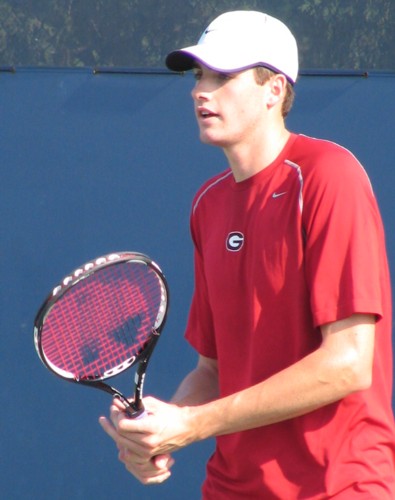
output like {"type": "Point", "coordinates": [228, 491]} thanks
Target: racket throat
{"type": "Point", "coordinates": [132, 409]}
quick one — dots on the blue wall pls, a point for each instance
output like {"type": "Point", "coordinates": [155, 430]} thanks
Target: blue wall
{"type": "Point", "coordinates": [92, 163]}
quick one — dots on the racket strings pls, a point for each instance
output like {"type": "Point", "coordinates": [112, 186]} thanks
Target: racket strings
{"type": "Point", "coordinates": [103, 321]}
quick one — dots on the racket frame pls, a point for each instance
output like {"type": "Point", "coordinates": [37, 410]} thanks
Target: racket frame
{"type": "Point", "coordinates": [134, 408]}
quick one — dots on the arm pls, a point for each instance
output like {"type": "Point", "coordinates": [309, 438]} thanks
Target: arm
{"type": "Point", "coordinates": [340, 366]}
{"type": "Point", "coordinates": [200, 386]}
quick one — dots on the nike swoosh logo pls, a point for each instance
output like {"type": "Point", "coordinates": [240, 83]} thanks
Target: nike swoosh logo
{"type": "Point", "coordinates": [277, 195]}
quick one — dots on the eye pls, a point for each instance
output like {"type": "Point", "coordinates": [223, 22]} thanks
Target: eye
{"type": "Point", "coordinates": [197, 73]}
{"type": "Point", "coordinates": [223, 77]}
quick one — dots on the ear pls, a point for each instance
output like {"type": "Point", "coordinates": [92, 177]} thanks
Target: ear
{"type": "Point", "coordinates": [277, 87]}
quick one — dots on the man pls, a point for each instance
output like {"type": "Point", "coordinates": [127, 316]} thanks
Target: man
{"type": "Point", "coordinates": [291, 313]}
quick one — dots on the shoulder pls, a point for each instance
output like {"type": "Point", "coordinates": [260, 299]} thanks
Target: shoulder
{"type": "Point", "coordinates": [311, 153]}
{"type": "Point", "coordinates": [323, 161]}
{"type": "Point", "coordinates": [210, 188]}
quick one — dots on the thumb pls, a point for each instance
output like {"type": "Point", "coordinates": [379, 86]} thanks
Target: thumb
{"type": "Point", "coordinates": [164, 461]}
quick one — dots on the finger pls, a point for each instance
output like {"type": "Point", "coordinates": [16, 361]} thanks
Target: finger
{"type": "Point", "coordinates": [123, 423]}
{"type": "Point", "coordinates": [119, 404]}
{"type": "Point", "coordinates": [121, 441]}
{"type": "Point", "coordinates": [129, 449]}
{"type": "Point", "coordinates": [163, 461]}
{"type": "Point", "coordinates": [159, 479]}
{"type": "Point", "coordinates": [116, 413]}
{"type": "Point", "coordinates": [148, 473]}
{"type": "Point", "coordinates": [111, 431]}
{"type": "Point", "coordinates": [151, 479]}
{"type": "Point", "coordinates": [158, 462]}
{"type": "Point", "coordinates": [108, 428]}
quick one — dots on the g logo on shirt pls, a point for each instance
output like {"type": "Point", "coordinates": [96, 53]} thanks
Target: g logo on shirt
{"type": "Point", "coordinates": [234, 241]}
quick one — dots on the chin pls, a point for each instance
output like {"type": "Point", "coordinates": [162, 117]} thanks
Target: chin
{"type": "Point", "coordinates": [213, 141]}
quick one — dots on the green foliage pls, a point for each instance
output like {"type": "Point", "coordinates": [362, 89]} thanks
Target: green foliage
{"type": "Point", "coordinates": [341, 34]}
{"type": "Point", "coordinates": [357, 34]}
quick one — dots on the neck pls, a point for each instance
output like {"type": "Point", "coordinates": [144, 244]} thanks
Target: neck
{"type": "Point", "coordinates": [247, 159]}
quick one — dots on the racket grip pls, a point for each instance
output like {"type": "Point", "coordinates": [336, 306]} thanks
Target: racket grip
{"type": "Point", "coordinates": [141, 413]}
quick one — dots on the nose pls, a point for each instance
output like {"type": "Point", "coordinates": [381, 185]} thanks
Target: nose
{"type": "Point", "coordinates": [199, 93]}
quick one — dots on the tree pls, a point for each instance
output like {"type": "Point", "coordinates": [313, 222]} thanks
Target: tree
{"type": "Point", "coordinates": [349, 34]}
{"type": "Point", "coordinates": [332, 34]}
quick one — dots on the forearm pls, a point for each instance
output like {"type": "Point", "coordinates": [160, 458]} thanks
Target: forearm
{"type": "Point", "coordinates": [286, 395]}
{"type": "Point", "coordinates": [327, 375]}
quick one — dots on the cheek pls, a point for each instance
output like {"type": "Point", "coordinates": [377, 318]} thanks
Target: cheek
{"type": "Point", "coordinates": [248, 113]}
{"type": "Point", "coordinates": [248, 101]}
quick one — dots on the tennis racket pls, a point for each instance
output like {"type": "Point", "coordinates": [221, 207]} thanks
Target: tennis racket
{"type": "Point", "coordinates": [102, 319]}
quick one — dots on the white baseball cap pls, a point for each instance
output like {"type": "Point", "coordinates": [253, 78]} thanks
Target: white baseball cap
{"type": "Point", "coordinates": [239, 40]}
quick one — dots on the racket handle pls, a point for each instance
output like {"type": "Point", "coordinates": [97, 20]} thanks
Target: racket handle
{"type": "Point", "coordinates": [131, 409]}
{"type": "Point", "coordinates": [143, 414]}
{"type": "Point", "coordinates": [131, 413]}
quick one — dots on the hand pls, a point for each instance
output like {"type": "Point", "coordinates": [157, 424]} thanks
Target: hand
{"type": "Point", "coordinates": [145, 444]}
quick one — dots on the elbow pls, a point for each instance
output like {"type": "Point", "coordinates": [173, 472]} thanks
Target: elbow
{"type": "Point", "coordinates": [349, 348]}
{"type": "Point", "coordinates": [349, 381]}
{"type": "Point", "coordinates": [361, 382]}
{"type": "Point", "coordinates": [356, 375]}
{"type": "Point", "coordinates": [363, 379]}
{"type": "Point", "coordinates": [363, 368]}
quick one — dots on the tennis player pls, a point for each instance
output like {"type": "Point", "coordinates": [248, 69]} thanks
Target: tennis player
{"type": "Point", "coordinates": [291, 312]}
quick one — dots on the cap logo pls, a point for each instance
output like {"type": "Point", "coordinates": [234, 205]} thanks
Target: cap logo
{"type": "Point", "coordinates": [234, 241]}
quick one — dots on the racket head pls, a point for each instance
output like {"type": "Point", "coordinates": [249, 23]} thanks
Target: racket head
{"type": "Point", "coordinates": [102, 318]}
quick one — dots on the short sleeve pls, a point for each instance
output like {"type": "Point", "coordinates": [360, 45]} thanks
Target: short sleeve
{"type": "Point", "coordinates": [200, 329]}
{"type": "Point", "coordinates": [344, 239]}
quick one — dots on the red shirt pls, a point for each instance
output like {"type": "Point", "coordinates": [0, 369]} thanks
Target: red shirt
{"type": "Point", "coordinates": [297, 245]}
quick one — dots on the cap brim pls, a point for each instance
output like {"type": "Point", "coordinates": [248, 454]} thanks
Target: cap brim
{"type": "Point", "coordinates": [186, 59]}
{"type": "Point", "coordinates": [180, 60]}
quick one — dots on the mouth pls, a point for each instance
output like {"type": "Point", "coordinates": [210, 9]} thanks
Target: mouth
{"type": "Point", "coordinates": [204, 113]}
